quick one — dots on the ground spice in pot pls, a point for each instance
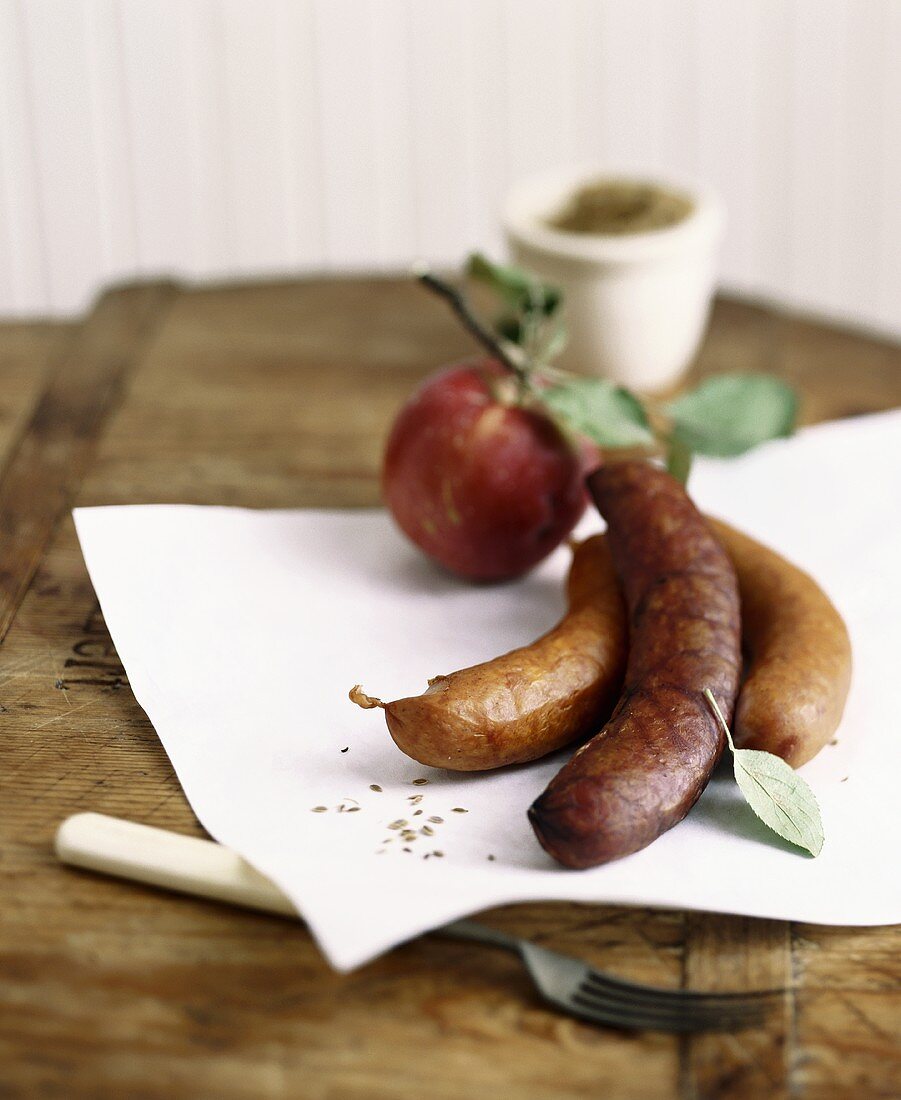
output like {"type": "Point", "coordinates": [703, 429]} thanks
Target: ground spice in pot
{"type": "Point", "coordinates": [617, 207]}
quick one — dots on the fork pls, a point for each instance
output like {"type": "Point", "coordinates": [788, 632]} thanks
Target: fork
{"type": "Point", "coordinates": [580, 990]}
{"type": "Point", "coordinates": [191, 865]}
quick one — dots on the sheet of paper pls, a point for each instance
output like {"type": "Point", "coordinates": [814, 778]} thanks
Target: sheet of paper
{"type": "Point", "coordinates": [242, 632]}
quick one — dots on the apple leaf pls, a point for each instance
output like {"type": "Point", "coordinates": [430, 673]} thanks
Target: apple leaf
{"type": "Point", "coordinates": [545, 344]}
{"type": "Point", "coordinates": [607, 413]}
{"type": "Point", "coordinates": [775, 792]}
{"type": "Point", "coordinates": [554, 342]}
{"type": "Point", "coordinates": [731, 413]}
{"type": "Point", "coordinates": [520, 291]}
{"type": "Point", "coordinates": [779, 797]}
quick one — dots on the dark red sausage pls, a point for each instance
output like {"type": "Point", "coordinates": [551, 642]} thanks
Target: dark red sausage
{"type": "Point", "coordinates": [648, 766]}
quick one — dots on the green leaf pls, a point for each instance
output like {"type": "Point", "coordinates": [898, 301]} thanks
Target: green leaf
{"type": "Point", "coordinates": [509, 327]}
{"type": "Point", "coordinates": [553, 343]}
{"type": "Point", "coordinates": [731, 413]}
{"type": "Point", "coordinates": [779, 797]}
{"type": "Point", "coordinates": [520, 290]}
{"type": "Point", "coordinates": [775, 792]}
{"type": "Point", "coordinates": [601, 410]}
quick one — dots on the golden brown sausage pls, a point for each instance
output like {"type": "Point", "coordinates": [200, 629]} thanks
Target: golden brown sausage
{"type": "Point", "coordinates": [647, 767]}
{"type": "Point", "coordinates": [531, 701]}
{"type": "Point", "coordinates": [797, 672]}
{"type": "Point", "coordinates": [797, 654]}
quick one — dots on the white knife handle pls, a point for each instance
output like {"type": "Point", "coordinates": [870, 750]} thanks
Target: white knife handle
{"type": "Point", "coordinates": [183, 863]}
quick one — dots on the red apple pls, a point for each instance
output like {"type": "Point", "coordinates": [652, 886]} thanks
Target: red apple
{"type": "Point", "coordinates": [485, 485]}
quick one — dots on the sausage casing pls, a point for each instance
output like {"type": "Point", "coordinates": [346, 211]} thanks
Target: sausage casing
{"type": "Point", "coordinates": [797, 654]}
{"type": "Point", "coordinates": [649, 764]}
{"type": "Point", "coordinates": [533, 700]}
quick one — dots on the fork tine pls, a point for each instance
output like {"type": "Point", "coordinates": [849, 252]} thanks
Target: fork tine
{"type": "Point", "coordinates": [637, 987]}
{"type": "Point", "coordinates": [622, 1016]}
{"type": "Point", "coordinates": [687, 997]}
{"type": "Point", "coordinates": [674, 1012]}
{"type": "Point", "coordinates": [671, 1016]}
{"type": "Point", "coordinates": [569, 984]}
{"type": "Point", "coordinates": [668, 1008]}
{"type": "Point", "coordinates": [736, 1014]}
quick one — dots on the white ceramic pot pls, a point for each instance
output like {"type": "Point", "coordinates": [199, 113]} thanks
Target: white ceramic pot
{"type": "Point", "coordinates": [636, 304]}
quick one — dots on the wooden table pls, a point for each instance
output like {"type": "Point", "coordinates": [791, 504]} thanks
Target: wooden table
{"type": "Point", "coordinates": [277, 396]}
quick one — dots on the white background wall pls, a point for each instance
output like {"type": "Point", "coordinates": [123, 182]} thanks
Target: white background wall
{"type": "Point", "coordinates": [227, 137]}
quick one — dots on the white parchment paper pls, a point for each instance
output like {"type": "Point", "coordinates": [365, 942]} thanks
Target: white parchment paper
{"type": "Point", "coordinates": [242, 631]}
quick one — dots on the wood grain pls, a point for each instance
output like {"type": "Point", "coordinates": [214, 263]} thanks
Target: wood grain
{"type": "Point", "coordinates": [735, 953]}
{"type": "Point", "coordinates": [53, 451]}
{"type": "Point", "coordinates": [848, 1019]}
{"type": "Point", "coordinates": [26, 353]}
{"type": "Point", "coordinates": [280, 395]}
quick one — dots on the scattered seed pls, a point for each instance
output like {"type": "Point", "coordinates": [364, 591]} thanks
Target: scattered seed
{"type": "Point", "coordinates": [439, 854]}
{"type": "Point", "coordinates": [408, 836]}
{"type": "Point", "coordinates": [406, 849]}
{"type": "Point", "coordinates": [426, 856]}
{"type": "Point", "coordinates": [427, 830]}
{"type": "Point", "coordinates": [416, 813]}
{"type": "Point", "coordinates": [437, 820]}
{"type": "Point", "coordinates": [414, 799]}
{"type": "Point", "coordinates": [375, 787]}
{"type": "Point", "coordinates": [419, 782]}
{"type": "Point", "coordinates": [834, 741]}
{"type": "Point", "coordinates": [459, 810]}
{"type": "Point", "coordinates": [491, 857]}
{"type": "Point", "coordinates": [353, 809]}
{"type": "Point", "coordinates": [320, 809]}
{"type": "Point", "coordinates": [399, 824]}
{"type": "Point", "coordinates": [845, 780]}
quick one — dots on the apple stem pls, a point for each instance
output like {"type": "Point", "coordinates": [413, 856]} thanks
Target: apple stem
{"type": "Point", "coordinates": [487, 339]}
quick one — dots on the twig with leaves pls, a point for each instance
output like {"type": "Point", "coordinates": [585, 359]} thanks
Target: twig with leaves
{"type": "Point", "coordinates": [471, 323]}
{"type": "Point", "coordinates": [723, 416]}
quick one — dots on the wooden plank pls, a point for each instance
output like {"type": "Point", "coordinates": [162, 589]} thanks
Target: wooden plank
{"type": "Point", "coordinates": [727, 953]}
{"type": "Point", "coordinates": [276, 395]}
{"type": "Point", "coordinates": [26, 352]}
{"type": "Point", "coordinates": [848, 1021]}
{"type": "Point", "coordinates": [43, 473]}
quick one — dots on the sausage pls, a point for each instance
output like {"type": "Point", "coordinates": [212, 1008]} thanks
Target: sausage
{"type": "Point", "coordinates": [533, 700]}
{"type": "Point", "coordinates": [797, 654]}
{"type": "Point", "coordinates": [649, 764]}
{"type": "Point", "coordinates": [797, 671]}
